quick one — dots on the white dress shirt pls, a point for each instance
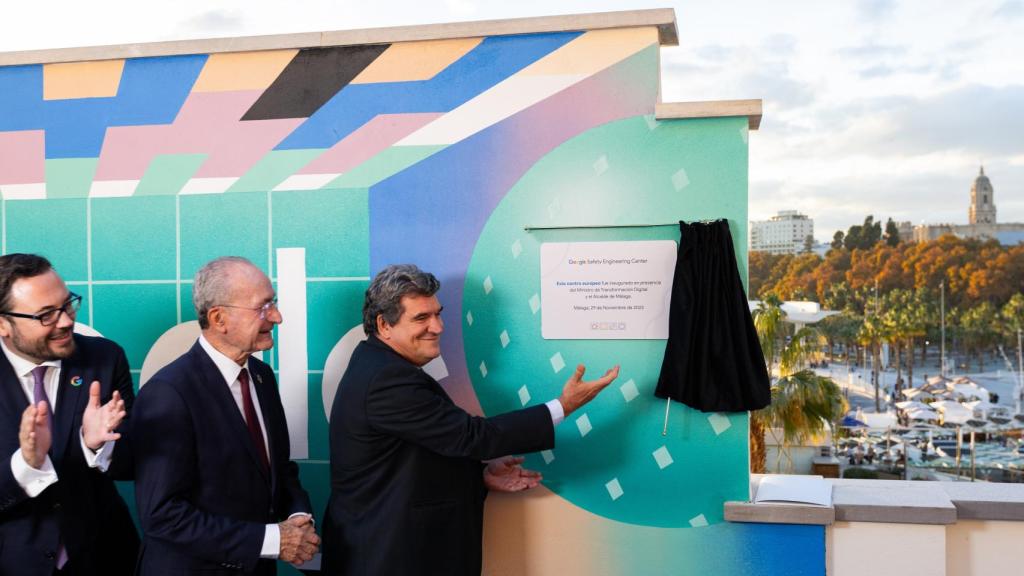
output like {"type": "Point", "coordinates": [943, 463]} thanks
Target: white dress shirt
{"type": "Point", "coordinates": [230, 370]}
{"type": "Point", "coordinates": [34, 480]}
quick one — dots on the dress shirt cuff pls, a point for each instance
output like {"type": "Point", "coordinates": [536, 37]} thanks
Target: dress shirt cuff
{"type": "Point", "coordinates": [33, 481]}
{"type": "Point", "coordinates": [271, 542]}
{"type": "Point", "coordinates": [100, 458]}
{"type": "Point", "coordinates": [557, 412]}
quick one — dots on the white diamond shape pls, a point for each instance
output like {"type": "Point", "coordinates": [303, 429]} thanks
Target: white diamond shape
{"type": "Point", "coordinates": [488, 285]}
{"type": "Point", "coordinates": [662, 457]}
{"type": "Point", "coordinates": [469, 318]}
{"type": "Point", "coordinates": [614, 488]}
{"type": "Point", "coordinates": [680, 180]}
{"type": "Point", "coordinates": [583, 423]}
{"type": "Point", "coordinates": [629, 391]}
{"type": "Point", "coordinates": [719, 422]}
{"type": "Point", "coordinates": [601, 165]}
{"type": "Point", "coordinates": [504, 338]}
{"type": "Point", "coordinates": [524, 396]}
{"type": "Point", "coordinates": [548, 456]}
{"type": "Point", "coordinates": [483, 369]}
{"type": "Point", "coordinates": [652, 122]}
{"type": "Point", "coordinates": [553, 208]}
{"type": "Point", "coordinates": [517, 249]}
{"type": "Point", "coordinates": [557, 363]}
{"type": "Point", "coordinates": [534, 303]}
{"type": "Point", "coordinates": [698, 521]}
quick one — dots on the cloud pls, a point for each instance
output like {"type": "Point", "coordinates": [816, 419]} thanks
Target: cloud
{"type": "Point", "coordinates": [872, 51]}
{"type": "Point", "coordinates": [984, 119]}
{"type": "Point", "coordinates": [1012, 9]}
{"type": "Point", "coordinates": [214, 22]}
{"type": "Point", "coordinates": [873, 10]}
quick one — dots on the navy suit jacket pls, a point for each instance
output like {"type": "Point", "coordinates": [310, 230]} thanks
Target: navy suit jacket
{"type": "Point", "coordinates": [82, 509]}
{"type": "Point", "coordinates": [203, 497]}
{"type": "Point", "coordinates": [407, 489]}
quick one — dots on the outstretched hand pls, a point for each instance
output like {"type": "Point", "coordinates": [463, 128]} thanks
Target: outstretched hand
{"type": "Point", "coordinates": [99, 422]}
{"type": "Point", "coordinates": [34, 436]}
{"type": "Point", "coordinates": [578, 392]}
{"type": "Point", "coordinates": [507, 475]}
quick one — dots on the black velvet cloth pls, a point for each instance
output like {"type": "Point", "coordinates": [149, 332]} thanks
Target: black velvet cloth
{"type": "Point", "coordinates": [713, 360]}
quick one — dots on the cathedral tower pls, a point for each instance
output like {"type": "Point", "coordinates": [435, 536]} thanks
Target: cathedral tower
{"type": "Point", "coordinates": [983, 205]}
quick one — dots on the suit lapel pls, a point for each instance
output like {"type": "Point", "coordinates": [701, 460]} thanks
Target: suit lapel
{"type": "Point", "coordinates": [12, 394]}
{"type": "Point", "coordinates": [224, 404]}
{"type": "Point", "coordinates": [262, 395]}
{"type": "Point", "coordinates": [71, 400]}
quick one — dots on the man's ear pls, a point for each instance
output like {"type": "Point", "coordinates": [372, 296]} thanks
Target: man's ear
{"type": "Point", "coordinates": [383, 328]}
{"type": "Point", "coordinates": [5, 327]}
{"type": "Point", "coordinates": [217, 319]}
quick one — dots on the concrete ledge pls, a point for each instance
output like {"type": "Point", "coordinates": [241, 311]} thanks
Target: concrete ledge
{"type": "Point", "coordinates": [711, 109]}
{"type": "Point", "coordinates": [892, 501]}
{"type": "Point", "coordinates": [779, 513]}
{"type": "Point", "coordinates": [662, 18]}
{"type": "Point", "coordinates": [986, 500]}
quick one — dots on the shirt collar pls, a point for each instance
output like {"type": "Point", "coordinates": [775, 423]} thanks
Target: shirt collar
{"type": "Point", "coordinates": [226, 366]}
{"type": "Point", "coordinates": [22, 367]}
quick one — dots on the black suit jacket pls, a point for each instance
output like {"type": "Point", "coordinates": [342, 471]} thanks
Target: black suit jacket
{"type": "Point", "coordinates": [82, 509]}
{"type": "Point", "coordinates": [203, 497]}
{"type": "Point", "coordinates": [407, 488]}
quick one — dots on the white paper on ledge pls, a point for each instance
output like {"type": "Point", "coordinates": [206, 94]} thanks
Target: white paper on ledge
{"type": "Point", "coordinates": [793, 488]}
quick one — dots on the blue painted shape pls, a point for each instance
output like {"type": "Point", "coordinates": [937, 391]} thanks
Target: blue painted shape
{"type": "Point", "coordinates": [492, 61]}
{"type": "Point", "coordinates": [151, 91]}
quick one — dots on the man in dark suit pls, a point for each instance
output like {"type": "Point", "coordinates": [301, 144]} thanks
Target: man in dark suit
{"type": "Point", "coordinates": [60, 512]}
{"type": "Point", "coordinates": [216, 490]}
{"type": "Point", "coordinates": [407, 482]}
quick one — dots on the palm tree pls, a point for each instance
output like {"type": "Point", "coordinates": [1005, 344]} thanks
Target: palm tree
{"type": "Point", "coordinates": [802, 401]}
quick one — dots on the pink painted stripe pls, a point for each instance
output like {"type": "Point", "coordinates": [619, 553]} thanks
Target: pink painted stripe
{"type": "Point", "coordinates": [22, 157]}
{"type": "Point", "coordinates": [366, 142]}
{"type": "Point", "coordinates": [208, 123]}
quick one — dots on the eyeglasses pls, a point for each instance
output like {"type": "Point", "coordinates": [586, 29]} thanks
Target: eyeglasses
{"type": "Point", "coordinates": [50, 317]}
{"type": "Point", "coordinates": [263, 310]}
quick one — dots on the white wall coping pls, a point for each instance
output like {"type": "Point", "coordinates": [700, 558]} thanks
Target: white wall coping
{"type": "Point", "coordinates": [892, 501]}
{"type": "Point", "coordinates": [664, 19]}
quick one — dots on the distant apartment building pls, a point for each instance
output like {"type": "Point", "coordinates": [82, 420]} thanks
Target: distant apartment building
{"type": "Point", "coordinates": [981, 218]}
{"type": "Point", "coordinates": [784, 233]}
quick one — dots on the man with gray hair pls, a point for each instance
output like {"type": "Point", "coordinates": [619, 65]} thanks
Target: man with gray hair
{"type": "Point", "coordinates": [407, 478]}
{"type": "Point", "coordinates": [215, 486]}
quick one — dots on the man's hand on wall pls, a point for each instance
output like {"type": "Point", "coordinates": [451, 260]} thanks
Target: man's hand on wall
{"type": "Point", "coordinates": [578, 392]}
{"type": "Point", "coordinates": [507, 475]}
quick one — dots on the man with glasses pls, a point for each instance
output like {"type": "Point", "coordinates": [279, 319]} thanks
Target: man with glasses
{"type": "Point", "coordinates": [215, 487]}
{"type": "Point", "coordinates": [64, 399]}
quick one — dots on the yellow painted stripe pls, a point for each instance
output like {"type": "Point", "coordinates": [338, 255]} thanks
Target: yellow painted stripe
{"type": "Point", "coordinates": [242, 70]}
{"type": "Point", "coordinates": [407, 61]}
{"type": "Point", "coordinates": [593, 51]}
{"type": "Point", "coordinates": [98, 79]}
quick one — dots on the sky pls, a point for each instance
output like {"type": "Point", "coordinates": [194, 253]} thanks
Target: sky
{"type": "Point", "coordinates": [879, 107]}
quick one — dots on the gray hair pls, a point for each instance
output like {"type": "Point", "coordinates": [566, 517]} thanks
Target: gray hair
{"type": "Point", "coordinates": [389, 286]}
{"type": "Point", "coordinates": [212, 285]}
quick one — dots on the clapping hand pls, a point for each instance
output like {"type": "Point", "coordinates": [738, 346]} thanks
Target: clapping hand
{"type": "Point", "coordinates": [34, 434]}
{"type": "Point", "coordinates": [99, 422]}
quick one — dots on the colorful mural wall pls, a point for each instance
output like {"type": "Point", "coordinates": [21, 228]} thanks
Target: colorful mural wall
{"type": "Point", "coordinates": [323, 165]}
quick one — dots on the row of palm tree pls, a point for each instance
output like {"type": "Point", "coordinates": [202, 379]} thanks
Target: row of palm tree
{"type": "Point", "coordinates": [803, 403]}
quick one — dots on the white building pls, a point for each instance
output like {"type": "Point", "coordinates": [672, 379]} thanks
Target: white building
{"type": "Point", "coordinates": [785, 233]}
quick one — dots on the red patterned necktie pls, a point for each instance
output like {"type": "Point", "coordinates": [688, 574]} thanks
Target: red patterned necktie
{"type": "Point", "coordinates": [251, 421]}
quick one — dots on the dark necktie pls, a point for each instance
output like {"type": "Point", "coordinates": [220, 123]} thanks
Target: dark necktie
{"type": "Point", "coordinates": [39, 392]}
{"type": "Point", "coordinates": [251, 421]}
{"type": "Point", "coordinates": [39, 395]}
